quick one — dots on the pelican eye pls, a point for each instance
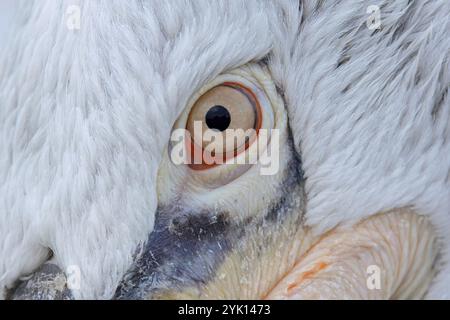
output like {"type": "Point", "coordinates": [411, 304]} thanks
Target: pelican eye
{"type": "Point", "coordinates": [222, 123]}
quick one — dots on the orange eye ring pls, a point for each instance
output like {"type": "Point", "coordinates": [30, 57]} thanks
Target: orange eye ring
{"type": "Point", "coordinates": [213, 160]}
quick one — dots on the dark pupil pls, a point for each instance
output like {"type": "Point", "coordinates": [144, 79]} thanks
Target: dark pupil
{"type": "Point", "coordinates": [218, 118]}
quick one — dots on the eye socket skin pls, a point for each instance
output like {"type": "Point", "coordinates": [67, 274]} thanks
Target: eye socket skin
{"type": "Point", "coordinates": [252, 87]}
{"type": "Point", "coordinates": [222, 123]}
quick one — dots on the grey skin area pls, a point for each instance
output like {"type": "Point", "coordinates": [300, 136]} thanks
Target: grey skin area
{"type": "Point", "coordinates": [186, 248]}
{"type": "Point", "coordinates": [47, 283]}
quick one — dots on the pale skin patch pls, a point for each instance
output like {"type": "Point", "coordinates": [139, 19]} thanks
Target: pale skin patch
{"type": "Point", "coordinates": [400, 244]}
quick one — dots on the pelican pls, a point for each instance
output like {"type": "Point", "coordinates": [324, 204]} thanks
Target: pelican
{"type": "Point", "coordinates": [120, 176]}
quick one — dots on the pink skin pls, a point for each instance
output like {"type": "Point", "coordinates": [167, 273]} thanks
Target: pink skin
{"type": "Point", "coordinates": [388, 256]}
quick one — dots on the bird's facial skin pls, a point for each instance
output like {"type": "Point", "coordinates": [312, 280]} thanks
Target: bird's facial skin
{"type": "Point", "coordinates": [232, 233]}
{"type": "Point", "coordinates": [399, 246]}
{"type": "Point", "coordinates": [229, 232]}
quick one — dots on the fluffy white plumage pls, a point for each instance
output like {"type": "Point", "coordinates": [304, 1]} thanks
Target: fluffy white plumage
{"type": "Point", "coordinates": [85, 116]}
